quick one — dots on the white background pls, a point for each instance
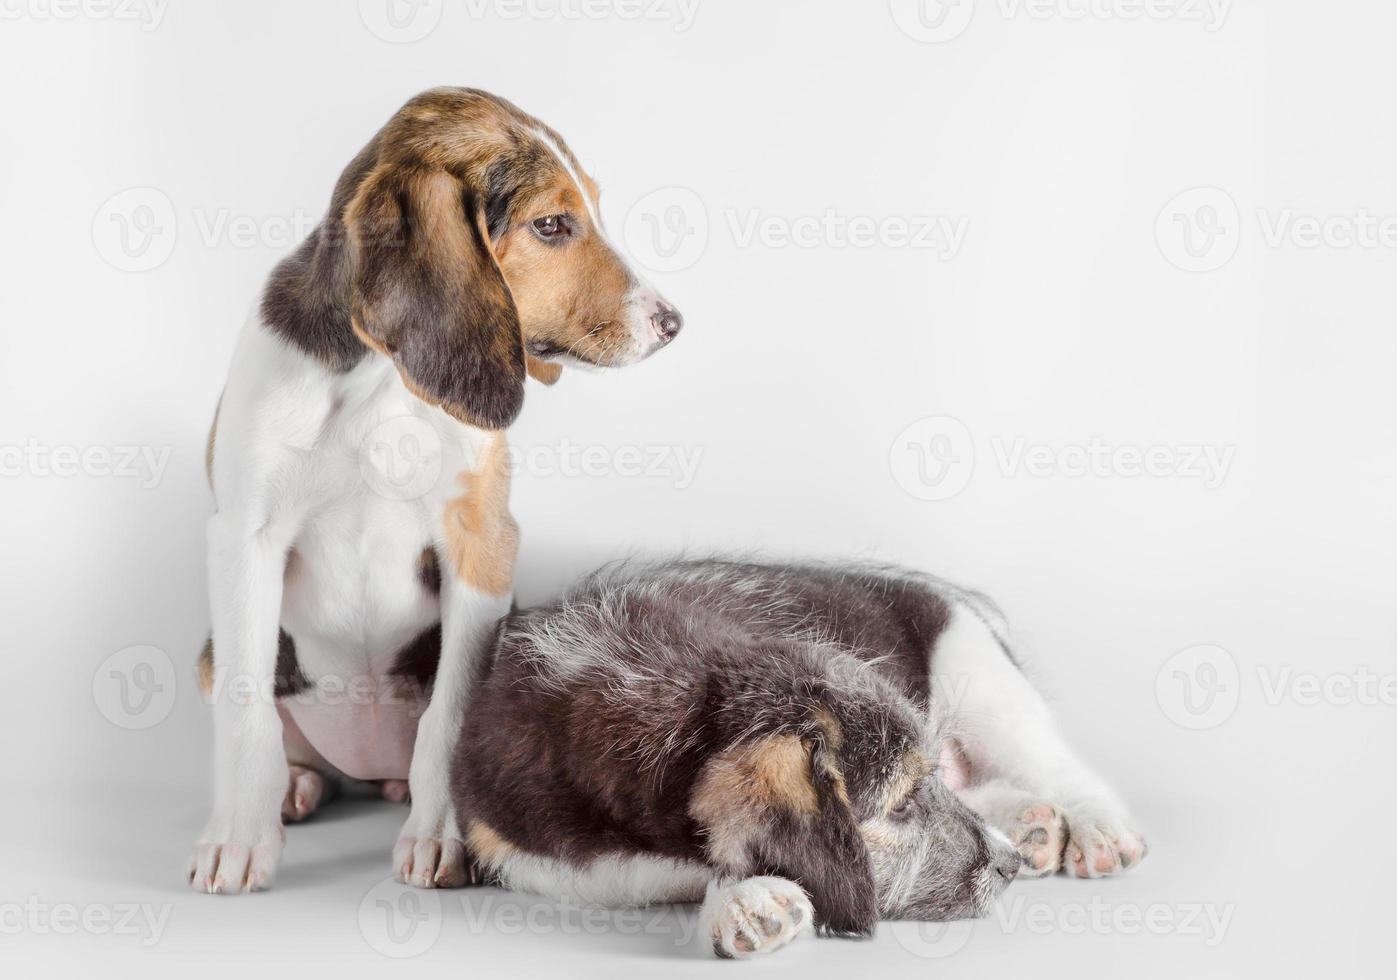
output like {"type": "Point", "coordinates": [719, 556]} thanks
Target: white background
{"type": "Point", "coordinates": [1057, 139]}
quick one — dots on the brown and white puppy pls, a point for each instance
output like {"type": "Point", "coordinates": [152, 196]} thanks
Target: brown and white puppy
{"type": "Point", "coordinates": [796, 746]}
{"type": "Point", "coordinates": [362, 534]}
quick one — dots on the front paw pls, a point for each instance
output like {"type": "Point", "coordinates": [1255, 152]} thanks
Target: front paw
{"type": "Point", "coordinates": [431, 854]}
{"type": "Point", "coordinates": [755, 916]}
{"type": "Point", "coordinates": [230, 858]}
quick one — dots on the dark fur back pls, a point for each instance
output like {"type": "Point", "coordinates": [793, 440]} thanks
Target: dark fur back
{"type": "Point", "coordinates": [595, 714]}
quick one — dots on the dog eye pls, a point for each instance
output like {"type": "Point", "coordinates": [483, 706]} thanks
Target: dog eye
{"type": "Point", "coordinates": [904, 809]}
{"type": "Point", "coordinates": [552, 226]}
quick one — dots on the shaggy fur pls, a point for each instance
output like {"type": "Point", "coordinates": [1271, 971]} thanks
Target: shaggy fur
{"type": "Point", "coordinates": [743, 719]}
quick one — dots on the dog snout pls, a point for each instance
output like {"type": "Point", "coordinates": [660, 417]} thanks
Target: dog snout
{"type": "Point", "coordinates": [666, 321]}
{"type": "Point", "coordinates": [1007, 866]}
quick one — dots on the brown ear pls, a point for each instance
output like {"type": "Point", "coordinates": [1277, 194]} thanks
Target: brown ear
{"type": "Point", "coordinates": [825, 852]}
{"type": "Point", "coordinates": [778, 805]}
{"type": "Point", "coordinates": [428, 293]}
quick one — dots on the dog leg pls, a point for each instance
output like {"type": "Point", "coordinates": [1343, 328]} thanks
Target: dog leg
{"type": "Point", "coordinates": [1024, 777]}
{"type": "Point", "coordinates": [241, 843]}
{"type": "Point", "coordinates": [431, 852]}
{"type": "Point", "coordinates": [754, 916]}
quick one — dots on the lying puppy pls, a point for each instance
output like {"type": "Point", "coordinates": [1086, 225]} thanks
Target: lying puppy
{"type": "Point", "coordinates": [797, 746]}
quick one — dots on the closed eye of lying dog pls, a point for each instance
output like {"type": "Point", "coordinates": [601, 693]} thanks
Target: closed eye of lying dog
{"type": "Point", "coordinates": [765, 739]}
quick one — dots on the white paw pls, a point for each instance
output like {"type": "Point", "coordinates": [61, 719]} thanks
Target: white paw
{"type": "Point", "coordinates": [755, 916]}
{"type": "Point", "coordinates": [1039, 833]}
{"type": "Point", "coordinates": [1101, 842]}
{"type": "Point", "coordinates": [431, 854]}
{"type": "Point", "coordinates": [229, 861]}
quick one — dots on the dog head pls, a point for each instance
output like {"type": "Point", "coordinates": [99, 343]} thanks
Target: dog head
{"type": "Point", "coordinates": [475, 251]}
{"type": "Point", "coordinates": [853, 809]}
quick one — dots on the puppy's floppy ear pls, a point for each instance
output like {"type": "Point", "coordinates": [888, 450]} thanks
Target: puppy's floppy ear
{"type": "Point", "coordinates": [428, 293]}
{"type": "Point", "coordinates": [824, 851]}
{"type": "Point", "coordinates": [778, 805]}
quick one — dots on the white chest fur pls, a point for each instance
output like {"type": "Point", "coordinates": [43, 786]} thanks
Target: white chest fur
{"type": "Point", "coordinates": [358, 471]}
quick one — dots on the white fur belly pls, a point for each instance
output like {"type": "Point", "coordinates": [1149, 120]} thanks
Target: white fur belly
{"type": "Point", "coordinates": [354, 598]}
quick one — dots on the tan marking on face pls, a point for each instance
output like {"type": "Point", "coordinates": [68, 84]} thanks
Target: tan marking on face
{"type": "Point", "coordinates": [905, 780]}
{"type": "Point", "coordinates": [205, 669]}
{"type": "Point", "coordinates": [489, 848]}
{"type": "Point", "coordinates": [482, 537]}
{"type": "Point", "coordinates": [740, 786]}
{"type": "Point", "coordinates": [546, 372]}
{"type": "Point", "coordinates": [571, 293]}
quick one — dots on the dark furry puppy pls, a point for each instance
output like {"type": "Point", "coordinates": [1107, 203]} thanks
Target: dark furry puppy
{"type": "Point", "coordinates": [765, 738]}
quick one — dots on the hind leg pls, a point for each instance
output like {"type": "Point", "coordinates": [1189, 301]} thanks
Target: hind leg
{"type": "Point", "coordinates": [313, 781]}
{"type": "Point", "coordinates": [1022, 775]}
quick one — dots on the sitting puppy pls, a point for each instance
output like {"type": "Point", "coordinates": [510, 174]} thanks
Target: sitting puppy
{"type": "Point", "coordinates": [798, 746]}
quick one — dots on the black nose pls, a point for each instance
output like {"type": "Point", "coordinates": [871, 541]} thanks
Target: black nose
{"type": "Point", "coordinates": [1008, 867]}
{"type": "Point", "coordinates": [667, 323]}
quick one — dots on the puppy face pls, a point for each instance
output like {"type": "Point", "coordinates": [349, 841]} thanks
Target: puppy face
{"type": "Point", "coordinates": [850, 807]}
{"type": "Point", "coordinates": [578, 300]}
{"type": "Point", "coordinates": [931, 857]}
{"type": "Point", "coordinates": [477, 248]}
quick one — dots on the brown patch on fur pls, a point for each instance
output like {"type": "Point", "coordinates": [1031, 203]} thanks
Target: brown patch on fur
{"type": "Point", "coordinates": [206, 669]}
{"type": "Point", "coordinates": [489, 848]}
{"type": "Point", "coordinates": [905, 780]}
{"type": "Point", "coordinates": [740, 787]}
{"type": "Point", "coordinates": [429, 570]}
{"type": "Point", "coordinates": [546, 372]}
{"type": "Point", "coordinates": [286, 680]}
{"type": "Point", "coordinates": [576, 304]}
{"type": "Point", "coordinates": [482, 537]}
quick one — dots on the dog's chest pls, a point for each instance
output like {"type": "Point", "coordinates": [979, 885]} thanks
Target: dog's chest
{"type": "Point", "coordinates": [358, 584]}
